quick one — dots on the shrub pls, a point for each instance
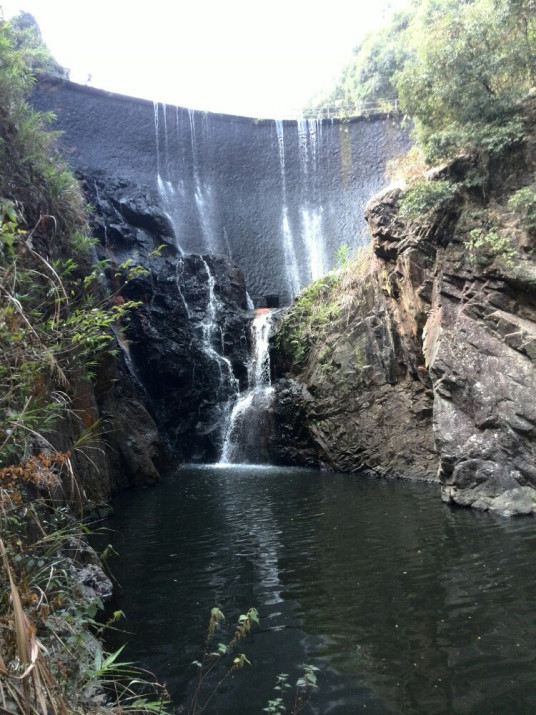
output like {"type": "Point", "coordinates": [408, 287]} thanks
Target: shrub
{"type": "Point", "coordinates": [485, 245]}
{"type": "Point", "coordinates": [523, 202]}
{"type": "Point", "coordinates": [424, 197]}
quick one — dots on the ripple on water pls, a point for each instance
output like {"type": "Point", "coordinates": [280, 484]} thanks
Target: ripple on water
{"type": "Point", "coordinates": [406, 605]}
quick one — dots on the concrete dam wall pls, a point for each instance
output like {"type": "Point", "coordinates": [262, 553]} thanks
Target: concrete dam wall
{"type": "Point", "coordinates": [277, 197]}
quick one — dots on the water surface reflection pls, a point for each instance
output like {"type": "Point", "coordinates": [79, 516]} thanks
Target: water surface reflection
{"type": "Point", "coordinates": [406, 605]}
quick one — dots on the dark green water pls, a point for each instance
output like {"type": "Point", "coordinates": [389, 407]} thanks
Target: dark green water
{"type": "Point", "coordinates": [405, 605]}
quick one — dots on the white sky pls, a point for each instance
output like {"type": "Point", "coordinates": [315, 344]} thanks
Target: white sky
{"type": "Point", "coordinates": [252, 57]}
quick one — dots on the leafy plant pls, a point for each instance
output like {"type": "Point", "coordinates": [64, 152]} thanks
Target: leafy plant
{"type": "Point", "coordinates": [305, 685]}
{"type": "Point", "coordinates": [51, 333]}
{"type": "Point", "coordinates": [523, 202]}
{"type": "Point", "coordinates": [407, 168]}
{"type": "Point", "coordinates": [221, 654]}
{"type": "Point", "coordinates": [458, 70]}
{"type": "Point", "coordinates": [368, 76]}
{"type": "Point", "coordinates": [343, 255]}
{"type": "Point", "coordinates": [48, 651]}
{"type": "Point", "coordinates": [485, 245]}
{"type": "Point", "coordinates": [54, 327]}
{"type": "Point", "coordinates": [425, 197]}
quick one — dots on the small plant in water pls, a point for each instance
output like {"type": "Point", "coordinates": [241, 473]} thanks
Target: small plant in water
{"type": "Point", "coordinates": [222, 654]}
{"type": "Point", "coordinates": [221, 660]}
{"type": "Point", "coordinates": [305, 685]}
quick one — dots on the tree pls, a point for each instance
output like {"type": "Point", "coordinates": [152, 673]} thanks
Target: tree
{"type": "Point", "coordinates": [368, 77]}
{"type": "Point", "coordinates": [458, 67]}
{"type": "Point", "coordinates": [470, 63]}
{"type": "Point", "coordinates": [26, 38]}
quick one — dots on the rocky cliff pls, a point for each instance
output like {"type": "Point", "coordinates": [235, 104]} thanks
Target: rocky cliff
{"type": "Point", "coordinates": [186, 343]}
{"type": "Point", "coordinates": [418, 361]}
{"type": "Point", "coordinates": [162, 395]}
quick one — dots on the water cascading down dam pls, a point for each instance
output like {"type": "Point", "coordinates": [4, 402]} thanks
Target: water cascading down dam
{"type": "Point", "coordinates": [278, 197]}
{"type": "Point", "coordinates": [274, 198]}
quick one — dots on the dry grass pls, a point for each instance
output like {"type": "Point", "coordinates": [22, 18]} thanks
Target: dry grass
{"type": "Point", "coordinates": [406, 169]}
{"type": "Point", "coordinates": [27, 684]}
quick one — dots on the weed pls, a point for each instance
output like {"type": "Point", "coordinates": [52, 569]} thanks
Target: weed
{"type": "Point", "coordinates": [343, 255]}
{"type": "Point", "coordinates": [302, 691]}
{"type": "Point", "coordinates": [48, 653]}
{"type": "Point", "coordinates": [407, 168]}
{"type": "Point", "coordinates": [221, 654]}
{"type": "Point", "coordinates": [54, 326]}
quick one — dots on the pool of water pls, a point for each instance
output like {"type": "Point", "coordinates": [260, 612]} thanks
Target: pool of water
{"type": "Point", "coordinates": [404, 604]}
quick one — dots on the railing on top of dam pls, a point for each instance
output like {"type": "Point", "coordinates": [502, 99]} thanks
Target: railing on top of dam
{"type": "Point", "coordinates": [335, 111]}
{"type": "Point", "coordinates": [346, 111]}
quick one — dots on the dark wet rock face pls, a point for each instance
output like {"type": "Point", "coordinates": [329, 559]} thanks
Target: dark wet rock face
{"type": "Point", "coordinates": [113, 440]}
{"type": "Point", "coordinates": [186, 342]}
{"type": "Point", "coordinates": [290, 441]}
{"type": "Point", "coordinates": [190, 367]}
{"type": "Point", "coordinates": [134, 450]}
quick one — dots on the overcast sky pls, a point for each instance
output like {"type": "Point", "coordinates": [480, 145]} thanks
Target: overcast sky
{"type": "Point", "coordinates": [253, 57]}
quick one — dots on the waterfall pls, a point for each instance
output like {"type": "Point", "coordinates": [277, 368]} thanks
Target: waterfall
{"type": "Point", "coordinates": [212, 337]}
{"type": "Point", "coordinates": [314, 241]}
{"type": "Point", "coordinates": [310, 233]}
{"type": "Point", "coordinates": [189, 194]}
{"type": "Point", "coordinates": [212, 344]}
{"type": "Point", "coordinates": [309, 136]}
{"type": "Point", "coordinates": [291, 264]}
{"type": "Point", "coordinates": [179, 276]}
{"type": "Point", "coordinates": [171, 193]}
{"type": "Point", "coordinates": [203, 194]}
{"type": "Point", "coordinates": [129, 363]}
{"type": "Point", "coordinates": [179, 179]}
{"type": "Point", "coordinates": [244, 439]}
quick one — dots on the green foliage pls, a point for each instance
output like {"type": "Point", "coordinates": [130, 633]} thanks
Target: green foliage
{"type": "Point", "coordinates": [220, 660]}
{"type": "Point", "coordinates": [54, 327]}
{"type": "Point", "coordinates": [33, 173]}
{"type": "Point", "coordinates": [486, 245]}
{"type": "Point", "coordinates": [47, 610]}
{"type": "Point", "coordinates": [305, 684]}
{"type": "Point", "coordinates": [302, 333]}
{"type": "Point", "coordinates": [523, 202]}
{"type": "Point", "coordinates": [311, 311]}
{"type": "Point", "coordinates": [8, 227]}
{"type": "Point", "coordinates": [343, 255]}
{"type": "Point", "coordinates": [424, 197]}
{"type": "Point", "coordinates": [27, 40]}
{"type": "Point", "coordinates": [458, 69]}
{"type": "Point", "coordinates": [368, 77]}
{"type": "Point", "coordinates": [470, 64]}
{"type": "Point", "coordinates": [325, 356]}
{"type": "Point", "coordinates": [52, 332]}
{"type": "Point", "coordinates": [54, 323]}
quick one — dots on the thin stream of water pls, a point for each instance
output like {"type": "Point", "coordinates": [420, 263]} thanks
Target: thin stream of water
{"type": "Point", "coordinates": [246, 432]}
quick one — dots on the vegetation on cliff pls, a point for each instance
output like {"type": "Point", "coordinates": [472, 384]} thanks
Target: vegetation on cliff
{"type": "Point", "coordinates": [54, 328]}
